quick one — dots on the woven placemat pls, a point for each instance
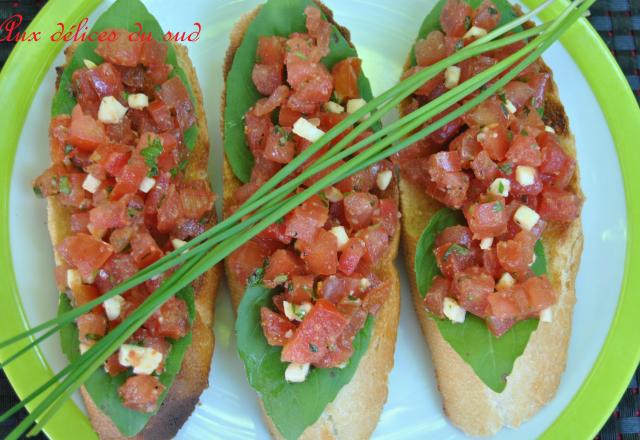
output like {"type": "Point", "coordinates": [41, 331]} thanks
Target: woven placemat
{"type": "Point", "coordinates": [617, 22]}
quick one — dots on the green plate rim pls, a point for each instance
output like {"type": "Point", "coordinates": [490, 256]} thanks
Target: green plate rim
{"type": "Point", "coordinates": [588, 409]}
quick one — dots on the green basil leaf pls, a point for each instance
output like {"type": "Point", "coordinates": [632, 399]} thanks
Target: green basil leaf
{"type": "Point", "coordinates": [103, 388]}
{"type": "Point", "coordinates": [292, 406]}
{"type": "Point", "coordinates": [276, 17]}
{"type": "Point", "coordinates": [491, 358]}
{"type": "Point", "coordinates": [122, 14]}
{"type": "Point", "coordinates": [432, 21]}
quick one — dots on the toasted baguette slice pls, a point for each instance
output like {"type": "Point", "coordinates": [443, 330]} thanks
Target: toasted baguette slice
{"type": "Point", "coordinates": [355, 412]}
{"type": "Point", "coordinates": [468, 402]}
{"type": "Point", "coordinates": [193, 376]}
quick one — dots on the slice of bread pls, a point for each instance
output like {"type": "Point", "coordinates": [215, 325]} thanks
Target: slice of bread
{"type": "Point", "coordinates": [468, 402]}
{"type": "Point", "coordinates": [355, 412]}
{"type": "Point", "coordinates": [193, 376]}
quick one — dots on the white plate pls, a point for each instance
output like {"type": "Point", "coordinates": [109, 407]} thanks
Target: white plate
{"type": "Point", "coordinates": [383, 34]}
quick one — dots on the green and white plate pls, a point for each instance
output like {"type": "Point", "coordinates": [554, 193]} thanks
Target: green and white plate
{"type": "Point", "coordinates": [604, 117]}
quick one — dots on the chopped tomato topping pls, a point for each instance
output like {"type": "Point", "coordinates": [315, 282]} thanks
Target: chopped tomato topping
{"type": "Point", "coordinates": [345, 78]}
{"type": "Point", "coordinates": [141, 393]}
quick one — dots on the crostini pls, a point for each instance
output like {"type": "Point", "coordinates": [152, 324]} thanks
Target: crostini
{"type": "Point", "coordinates": [129, 147]}
{"type": "Point", "coordinates": [317, 294]}
{"type": "Point", "coordinates": [491, 229]}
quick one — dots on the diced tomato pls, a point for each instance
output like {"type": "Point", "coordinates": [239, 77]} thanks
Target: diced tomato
{"type": "Point", "coordinates": [85, 132]}
{"type": "Point", "coordinates": [321, 255]}
{"type": "Point", "coordinates": [159, 74]}
{"type": "Point", "coordinates": [490, 112]}
{"type": "Point", "coordinates": [303, 222]}
{"type": "Point", "coordinates": [275, 327]}
{"type": "Point", "coordinates": [484, 168]}
{"type": "Point", "coordinates": [131, 177]}
{"type": "Point", "coordinates": [85, 252]}
{"type": "Point", "coordinates": [271, 50]}
{"type": "Point", "coordinates": [509, 303]}
{"type": "Point", "coordinates": [279, 147]}
{"type": "Point", "coordinates": [455, 18]}
{"type": "Point", "coordinates": [454, 234]}
{"type": "Point", "coordinates": [161, 115]}
{"type": "Point", "coordinates": [141, 393]}
{"type": "Point", "coordinates": [490, 262]}
{"type": "Point", "coordinates": [171, 320]}
{"type": "Point", "coordinates": [120, 51]}
{"type": "Point", "coordinates": [499, 326]}
{"type": "Point", "coordinates": [170, 211]}
{"type": "Point", "coordinates": [174, 93]}
{"type": "Point", "coordinates": [387, 215]}
{"type": "Point", "coordinates": [454, 257]}
{"type": "Point", "coordinates": [299, 289]}
{"type": "Point", "coordinates": [58, 132]}
{"type": "Point", "coordinates": [351, 255]}
{"type": "Point", "coordinates": [79, 222]}
{"type": "Point", "coordinates": [120, 267]}
{"type": "Point", "coordinates": [337, 288]}
{"type": "Point", "coordinates": [517, 254]}
{"type": "Point", "coordinates": [91, 327]}
{"type": "Point", "coordinates": [197, 199]}
{"type": "Point", "coordinates": [471, 287]}
{"type": "Point", "coordinates": [540, 293]}
{"type": "Point", "coordinates": [144, 249]}
{"type": "Point", "coordinates": [312, 85]}
{"type": "Point", "coordinates": [319, 28]}
{"type": "Point", "coordinates": [256, 130]}
{"type": "Point", "coordinates": [112, 365]}
{"type": "Point", "coordinates": [287, 116]}
{"type": "Point", "coordinates": [110, 215]}
{"type": "Point", "coordinates": [281, 266]}
{"type": "Point", "coordinates": [434, 298]}
{"type": "Point", "coordinates": [154, 53]}
{"type": "Point", "coordinates": [539, 84]}
{"type": "Point", "coordinates": [431, 49]}
{"type": "Point", "coordinates": [359, 209]}
{"type": "Point", "coordinates": [277, 99]}
{"type": "Point", "coordinates": [474, 66]}
{"type": "Point", "coordinates": [319, 329]}
{"type": "Point", "coordinates": [524, 150]}
{"type": "Point", "coordinates": [487, 219]}
{"type": "Point", "coordinates": [519, 93]}
{"type": "Point", "coordinates": [246, 260]}
{"type": "Point", "coordinates": [486, 15]}
{"type": "Point", "coordinates": [451, 189]}
{"type": "Point", "coordinates": [84, 293]}
{"type": "Point", "coordinates": [267, 77]}
{"type": "Point", "coordinates": [560, 206]}
{"type": "Point", "coordinates": [376, 242]}
{"type": "Point", "coordinates": [442, 163]}
{"type": "Point", "coordinates": [85, 94]}
{"type": "Point", "coordinates": [106, 81]}
{"type": "Point", "coordinates": [467, 146]}
{"type": "Point", "coordinates": [345, 78]}
{"type": "Point", "coordinates": [495, 141]}
{"type": "Point", "coordinates": [112, 157]}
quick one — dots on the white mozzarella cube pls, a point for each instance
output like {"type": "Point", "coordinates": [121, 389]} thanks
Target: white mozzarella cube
{"type": "Point", "coordinates": [486, 243]}
{"type": "Point", "coordinates": [144, 360]}
{"type": "Point", "coordinates": [113, 306]}
{"type": "Point", "coordinates": [500, 187]}
{"type": "Point", "coordinates": [452, 76]}
{"type": "Point", "coordinates": [453, 311]}
{"type": "Point", "coordinates": [147, 184]}
{"type": "Point", "coordinates": [353, 105]}
{"type": "Point", "coordinates": [89, 64]}
{"type": "Point", "coordinates": [506, 281]}
{"type": "Point", "coordinates": [296, 373]}
{"type": "Point", "coordinates": [341, 236]}
{"type": "Point", "coordinates": [475, 31]}
{"type": "Point", "coordinates": [526, 217]}
{"type": "Point", "coordinates": [546, 315]}
{"type": "Point", "coordinates": [111, 111]}
{"type": "Point", "coordinates": [138, 101]}
{"type": "Point", "coordinates": [73, 278]}
{"type": "Point", "coordinates": [525, 176]}
{"type": "Point", "coordinates": [510, 107]}
{"type": "Point", "coordinates": [383, 179]}
{"type": "Point", "coordinates": [333, 107]}
{"type": "Point", "coordinates": [177, 243]}
{"type": "Point", "coordinates": [91, 184]}
{"type": "Point", "coordinates": [307, 130]}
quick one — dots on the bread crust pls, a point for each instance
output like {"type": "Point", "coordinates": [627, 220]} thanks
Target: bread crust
{"type": "Point", "coordinates": [193, 376]}
{"type": "Point", "coordinates": [467, 401]}
{"type": "Point", "coordinates": [356, 409]}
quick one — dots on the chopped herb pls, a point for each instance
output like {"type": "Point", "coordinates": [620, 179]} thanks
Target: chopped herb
{"type": "Point", "coordinates": [500, 187]}
{"type": "Point", "coordinates": [289, 287]}
{"type": "Point", "coordinates": [92, 336]}
{"type": "Point", "coordinates": [456, 249]}
{"type": "Point", "coordinates": [256, 277]}
{"type": "Point", "coordinates": [68, 148]}
{"type": "Point", "coordinates": [510, 135]}
{"type": "Point", "coordinates": [300, 55]}
{"type": "Point", "coordinates": [504, 109]}
{"type": "Point", "coordinates": [524, 132]}
{"type": "Point", "coordinates": [285, 136]}
{"type": "Point", "coordinates": [37, 191]}
{"type": "Point", "coordinates": [459, 45]}
{"type": "Point", "coordinates": [313, 348]}
{"type": "Point", "coordinates": [280, 221]}
{"type": "Point", "coordinates": [280, 279]}
{"type": "Point", "coordinates": [133, 212]}
{"type": "Point", "coordinates": [125, 94]}
{"type": "Point", "coordinates": [498, 207]}
{"type": "Point", "coordinates": [64, 186]}
{"type": "Point", "coordinates": [467, 22]}
{"type": "Point", "coordinates": [151, 154]}
{"type": "Point", "coordinates": [503, 97]}
{"type": "Point", "coordinates": [540, 111]}
{"type": "Point", "coordinates": [492, 10]}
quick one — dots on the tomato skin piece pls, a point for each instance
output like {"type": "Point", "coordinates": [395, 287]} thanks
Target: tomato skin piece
{"type": "Point", "coordinates": [433, 300]}
{"type": "Point", "coordinates": [283, 263]}
{"type": "Point", "coordinates": [321, 256]}
{"type": "Point", "coordinates": [559, 205]}
{"type": "Point", "coordinates": [275, 327]}
{"type": "Point", "coordinates": [351, 255]}
{"type": "Point", "coordinates": [345, 75]}
{"type": "Point", "coordinates": [487, 219]}
{"type": "Point", "coordinates": [431, 49]}
{"type": "Point", "coordinates": [319, 329]}
{"type": "Point", "coordinates": [472, 287]}
{"type": "Point", "coordinates": [85, 132]}
{"type": "Point", "coordinates": [145, 250]}
{"type": "Point", "coordinates": [141, 393]}
{"type": "Point", "coordinates": [455, 18]}
{"type": "Point", "coordinates": [121, 51]}
{"type": "Point", "coordinates": [85, 252]}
